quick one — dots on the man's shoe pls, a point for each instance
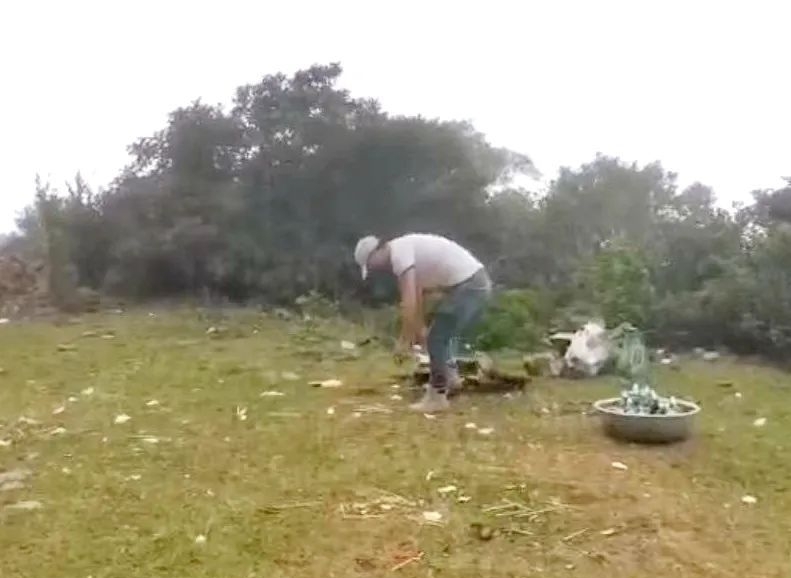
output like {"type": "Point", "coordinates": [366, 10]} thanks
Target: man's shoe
{"type": "Point", "coordinates": [432, 402]}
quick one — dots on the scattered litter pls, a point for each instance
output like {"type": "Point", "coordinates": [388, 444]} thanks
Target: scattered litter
{"type": "Point", "coordinates": [11, 486]}
{"type": "Point", "coordinates": [608, 532]}
{"type": "Point", "coordinates": [282, 414]}
{"type": "Point", "coordinates": [241, 413]}
{"type": "Point", "coordinates": [330, 411]}
{"type": "Point", "coordinates": [710, 355]}
{"type": "Point", "coordinates": [210, 493]}
{"type": "Point", "coordinates": [396, 397]}
{"type": "Point", "coordinates": [760, 422]}
{"type": "Point", "coordinates": [326, 383]}
{"type": "Point", "coordinates": [4, 320]}
{"type": "Point", "coordinates": [14, 478]}
{"type": "Point", "coordinates": [152, 403]}
{"type": "Point", "coordinates": [748, 499]}
{"type": "Point", "coordinates": [395, 386]}
{"type": "Point", "coordinates": [271, 393]}
{"type": "Point", "coordinates": [375, 408]}
{"type": "Point", "coordinates": [5, 443]}
{"type": "Point", "coordinates": [121, 419]}
{"type": "Point", "coordinates": [67, 347]}
{"type": "Point", "coordinates": [58, 431]}
{"type": "Point", "coordinates": [445, 490]}
{"type": "Point", "coordinates": [620, 466]}
{"type": "Point", "coordinates": [200, 539]}
{"type": "Point", "coordinates": [357, 414]}
{"type": "Point", "coordinates": [486, 431]}
{"type": "Point", "coordinates": [65, 470]}
{"type": "Point", "coordinates": [470, 425]}
{"type": "Point", "coordinates": [72, 399]}
{"type": "Point", "coordinates": [134, 477]}
{"type": "Point", "coordinates": [738, 395]}
{"type": "Point", "coordinates": [88, 391]}
{"type": "Point", "coordinates": [289, 376]}
{"type": "Point", "coordinates": [463, 499]}
{"type": "Point", "coordinates": [432, 517]}
{"type": "Point", "coordinates": [348, 346]}
{"type": "Point", "coordinates": [105, 439]}
{"type": "Point", "coordinates": [27, 505]}
{"type": "Point", "coordinates": [416, 558]}
{"type": "Point", "coordinates": [58, 410]}
{"type": "Point", "coordinates": [429, 475]}
{"type": "Point", "coordinates": [429, 416]}
{"type": "Point", "coordinates": [153, 440]}
{"type": "Point", "coordinates": [666, 361]}
{"type": "Point", "coordinates": [27, 421]}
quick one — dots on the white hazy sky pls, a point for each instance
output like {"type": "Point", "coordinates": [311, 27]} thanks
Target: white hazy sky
{"type": "Point", "coordinates": [703, 86]}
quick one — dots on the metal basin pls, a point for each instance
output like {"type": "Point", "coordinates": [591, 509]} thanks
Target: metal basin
{"type": "Point", "coordinates": [647, 428]}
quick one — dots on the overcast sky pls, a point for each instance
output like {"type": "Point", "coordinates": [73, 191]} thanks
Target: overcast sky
{"type": "Point", "coordinates": [702, 86]}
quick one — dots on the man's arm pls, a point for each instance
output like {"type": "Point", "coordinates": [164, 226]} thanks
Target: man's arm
{"type": "Point", "coordinates": [411, 324]}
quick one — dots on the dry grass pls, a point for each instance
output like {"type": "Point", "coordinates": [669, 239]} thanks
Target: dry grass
{"type": "Point", "coordinates": [294, 491]}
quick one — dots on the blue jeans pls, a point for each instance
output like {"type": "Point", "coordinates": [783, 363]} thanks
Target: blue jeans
{"type": "Point", "coordinates": [458, 311]}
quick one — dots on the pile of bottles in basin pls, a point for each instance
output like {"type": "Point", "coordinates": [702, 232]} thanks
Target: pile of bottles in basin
{"type": "Point", "coordinates": [642, 399]}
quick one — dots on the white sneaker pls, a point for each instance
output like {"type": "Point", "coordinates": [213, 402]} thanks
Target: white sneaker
{"type": "Point", "coordinates": [432, 402]}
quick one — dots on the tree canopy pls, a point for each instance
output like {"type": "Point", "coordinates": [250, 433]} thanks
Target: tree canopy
{"type": "Point", "coordinates": [264, 201]}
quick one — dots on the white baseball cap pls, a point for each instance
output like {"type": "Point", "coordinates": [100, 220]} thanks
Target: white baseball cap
{"type": "Point", "coordinates": [362, 252]}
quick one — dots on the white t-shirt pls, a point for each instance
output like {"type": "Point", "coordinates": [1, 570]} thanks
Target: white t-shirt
{"type": "Point", "coordinates": [438, 262]}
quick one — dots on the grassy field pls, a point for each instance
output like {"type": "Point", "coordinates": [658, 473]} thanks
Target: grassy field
{"type": "Point", "coordinates": [207, 477]}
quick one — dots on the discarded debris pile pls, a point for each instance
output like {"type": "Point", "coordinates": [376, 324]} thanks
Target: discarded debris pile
{"type": "Point", "coordinates": [22, 287]}
{"type": "Point", "coordinates": [476, 372]}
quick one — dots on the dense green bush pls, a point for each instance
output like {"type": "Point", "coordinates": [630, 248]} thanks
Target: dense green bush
{"type": "Point", "coordinates": [515, 319]}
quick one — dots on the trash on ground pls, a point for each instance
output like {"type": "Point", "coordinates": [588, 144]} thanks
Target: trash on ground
{"type": "Point", "coordinates": [609, 532]}
{"type": "Point", "coordinates": [445, 490]}
{"type": "Point", "coordinates": [87, 391]}
{"type": "Point", "coordinates": [152, 403]}
{"type": "Point", "coordinates": [289, 376]}
{"type": "Point", "coordinates": [396, 397]}
{"type": "Point", "coordinates": [589, 349]}
{"type": "Point", "coordinates": [23, 420]}
{"type": "Point", "coordinates": [58, 410]}
{"type": "Point", "coordinates": [58, 431]}
{"type": "Point", "coordinates": [241, 413]}
{"type": "Point", "coordinates": [748, 499]}
{"type": "Point", "coordinates": [67, 347]}
{"type": "Point", "coordinates": [200, 539]}
{"type": "Point", "coordinates": [13, 478]}
{"type": "Point", "coordinates": [470, 425]}
{"type": "Point", "coordinates": [463, 499]}
{"type": "Point", "coordinates": [620, 466]}
{"type": "Point", "coordinates": [330, 411]}
{"type": "Point", "coordinates": [486, 431]}
{"type": "Point", "coordinates": [710, 355]}
{"type": "Point", "coordinates": [271, 393]}
{"type": "Point", "coordinates": [152, 440]}
{"type": "Point", "coordinates": [348, 345]}
{"type": "Point", "coordinates": [374, 408]}
{"type": "Point", "coordinates": [432, 517]}
{"type": "Point", "coordinates": [429, 416]}
{"type": "Point", "coordinates": [5, 443]}
{"type": "Point", "coordinates": [760, 422]}
{"type": "Point", "coordinates": [11, 486]}
{"type": "Point", "coordinates": [121, 418]}
{"type": "Point", "coordinates": [71, 399]}
{"type": "Point", "coordinates": [404, 563]}
{"type": "Point", "coordinates": [328, 383]}
{"type": "Point", "coordinates": [738, 395]}
{"type": "Point", "coordinates": [26, 505]}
